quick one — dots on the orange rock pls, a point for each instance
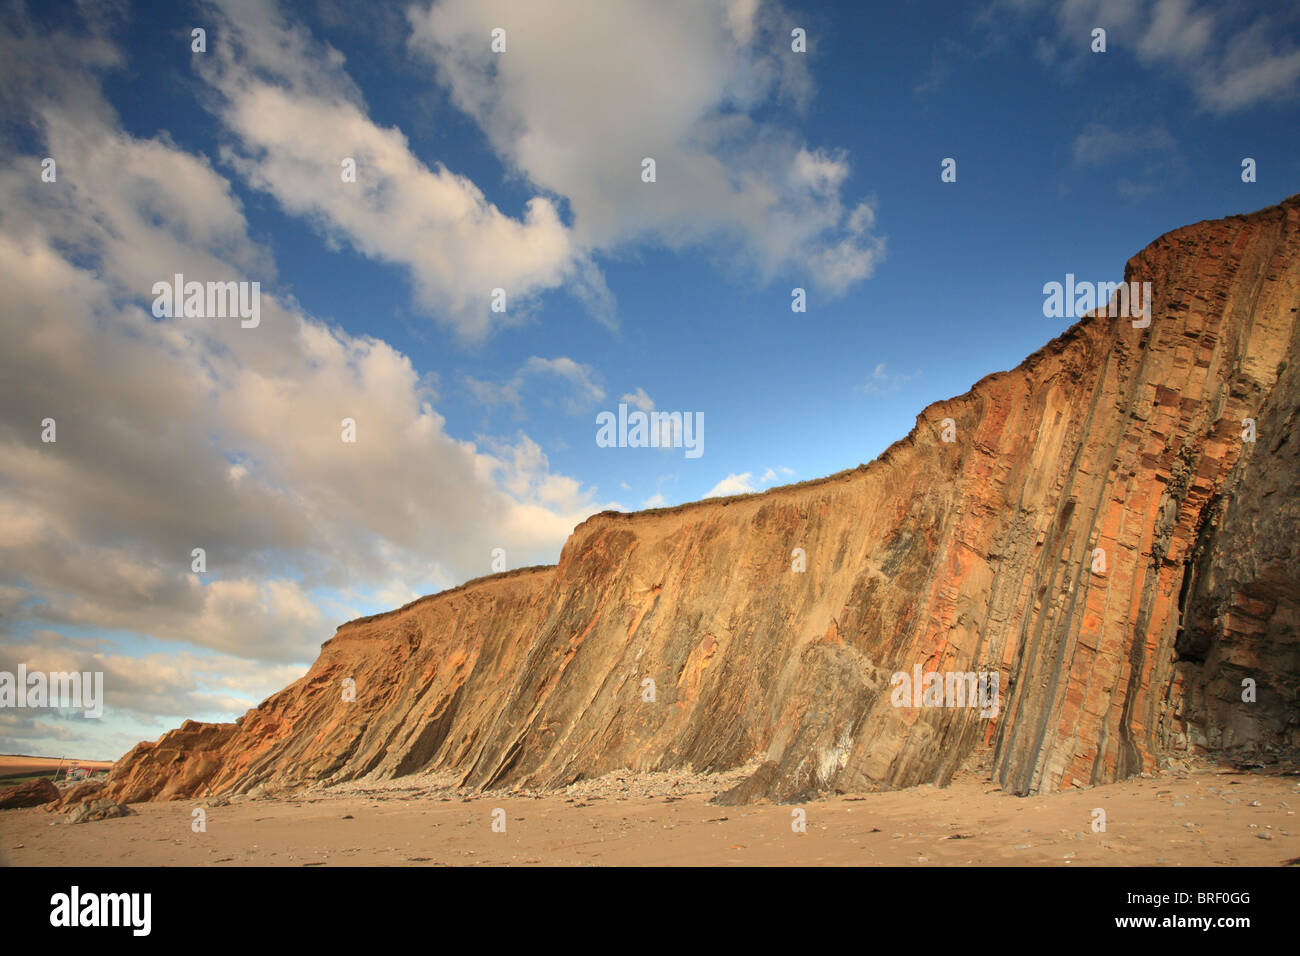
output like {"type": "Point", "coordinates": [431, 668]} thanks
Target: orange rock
{"type": "Point", "coordinates": [971, 556]}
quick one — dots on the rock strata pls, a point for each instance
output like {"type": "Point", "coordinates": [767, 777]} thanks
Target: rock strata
{"type": "Point", "coordinates": [1100, 534]}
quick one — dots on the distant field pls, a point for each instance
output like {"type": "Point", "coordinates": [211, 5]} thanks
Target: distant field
{"type": "Point", "coordinates": [23, 765]}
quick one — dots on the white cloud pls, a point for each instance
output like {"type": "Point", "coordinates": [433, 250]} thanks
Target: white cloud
{"type": "Point", "coordinates": [1177, 32]}
{"type": "Point", "coordinates": [295, 116]}
{"type": "Point", "coordinates": [733, 484]}
{"type": "Point", "coordinates": [882, 381]}
{"type": "Point", "coordinates": [1253, 69]}
{"type": "Point", "coordinates": [585, 391]}
{"type": "Point", "coordinates": [1099, 144]}
{"type": "Point", "coordinates": [1232, 57]}
{"type": "Point", "coordinates": [640, 400]}
{"type": "Point", "coordinates": [143, 693]}
{"type": "Point", "coordinates": [1148, 154]}
{"type": "Point", "coordinates": [668, 433]}
{"type": "Point", "coordinates": [586, 91]}
{"type": "Point", "coordinates": [183, 433]}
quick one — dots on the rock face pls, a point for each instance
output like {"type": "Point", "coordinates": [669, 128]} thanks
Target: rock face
{"type": "Point", "coordinates": [1099, 533]}
{"type": "Point", "coordinates": [29, 793]}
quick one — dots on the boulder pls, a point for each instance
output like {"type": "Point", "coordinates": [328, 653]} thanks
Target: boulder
{"type": "Point", "coordinates": [101, 809]}
{"type": "Point", "coordinates": [29, 793]}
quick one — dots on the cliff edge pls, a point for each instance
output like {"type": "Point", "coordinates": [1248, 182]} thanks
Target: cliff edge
{"type": "Point", "coordinates": [1106, 536]}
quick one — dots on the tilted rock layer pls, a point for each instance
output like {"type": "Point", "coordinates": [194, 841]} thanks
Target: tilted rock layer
{"type": "Point", "coordinates": [1099, 533]}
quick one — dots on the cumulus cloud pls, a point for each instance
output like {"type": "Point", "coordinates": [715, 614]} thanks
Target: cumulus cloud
{"type": "Point", "coordinates": [585, 92]}
{"type": "Point", "coordinates": [295, 115]}
{"type": "Point", "coordinates": [143, 693]}
{"type": "Point", "coordinates": [733, 484]}
{"type": "Point", "coordinates": [583, 95]}
{"type": "Point", "coordinates": [180, 433]}
{"type": "Point", "coordinates": [183, 433]}
{"type": "Point", "coordinates": [169, 685]}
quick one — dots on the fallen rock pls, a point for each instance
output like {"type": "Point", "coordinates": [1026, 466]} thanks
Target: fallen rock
{"type": "Point", "coordinates": [30, 793]}
{"type": "Point", "coordinates": [73, 796]}
{"type": "Point", "coordinates": [102, 809]}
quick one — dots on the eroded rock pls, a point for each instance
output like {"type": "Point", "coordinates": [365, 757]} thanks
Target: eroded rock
{"type": "Point", "coordinates": [977, 555]}
{"type": "Point", "coordinates": [29, 793]}
{"type": "Point", "coordinates": [102, 809]}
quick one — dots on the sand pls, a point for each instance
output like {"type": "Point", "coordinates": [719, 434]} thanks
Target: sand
{"type": "Point", "coordinates": [1194, 817]}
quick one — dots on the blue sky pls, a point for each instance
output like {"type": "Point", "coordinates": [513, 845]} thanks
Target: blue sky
{"type": "Point", "coordinates": [522, 170]}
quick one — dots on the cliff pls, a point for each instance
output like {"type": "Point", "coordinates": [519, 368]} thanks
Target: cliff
{"type": "Point", "coordinates": [1099, 534]}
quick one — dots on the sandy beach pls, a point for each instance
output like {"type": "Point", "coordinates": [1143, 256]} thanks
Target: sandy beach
{"type": "Point", "coordinates": [1176, 818]}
